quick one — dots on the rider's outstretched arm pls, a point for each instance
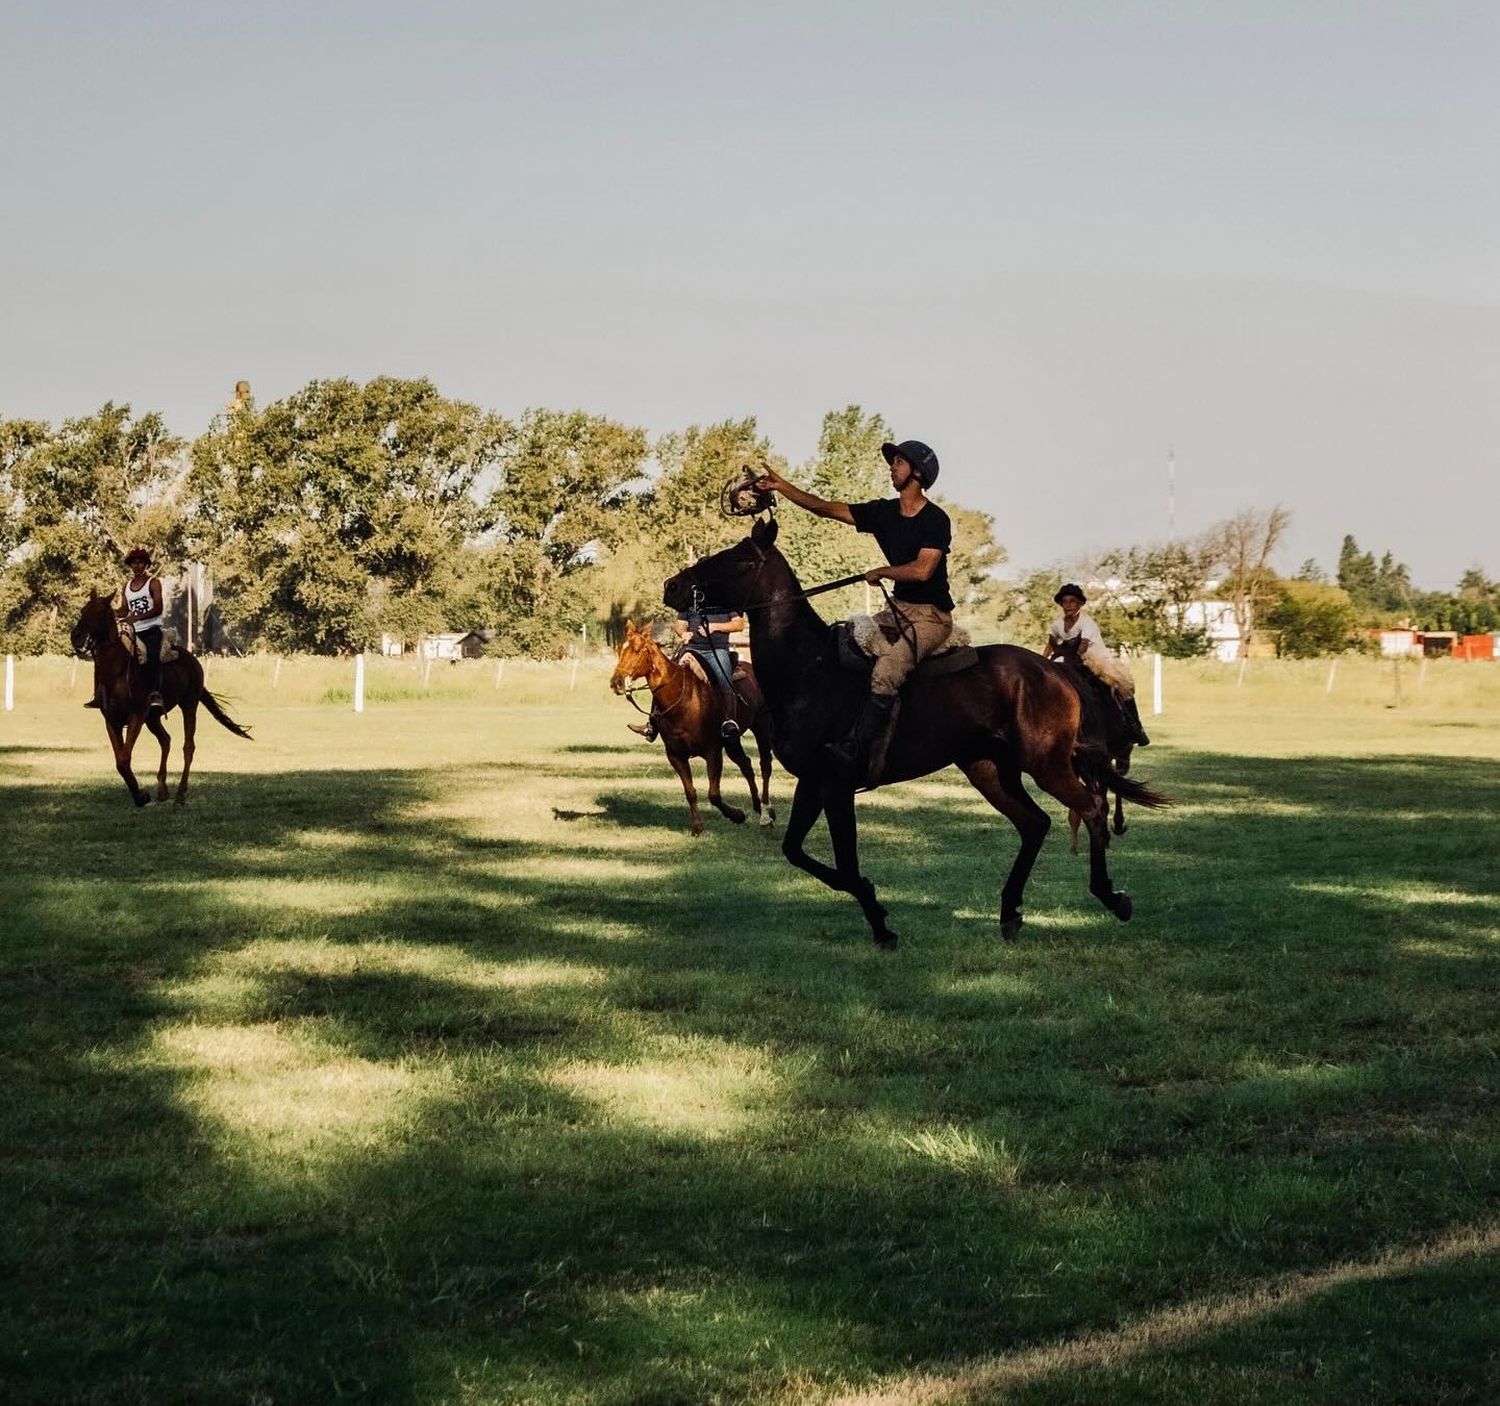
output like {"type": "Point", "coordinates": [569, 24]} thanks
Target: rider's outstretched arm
{"type": "Point", "coordinates": [823, 507]}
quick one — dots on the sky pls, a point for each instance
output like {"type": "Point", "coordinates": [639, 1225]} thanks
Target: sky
{"type": "Point", "coordinates": [1056, 241]}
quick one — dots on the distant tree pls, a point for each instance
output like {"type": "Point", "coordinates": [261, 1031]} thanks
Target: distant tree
{"type": "Point", "coordinates": [1244, 544]}
{"type": "Point", "coordinates": [847, 468]}
{"type": "Point", "coordinates": [972, 563]}
{"type": "Point", "coordinates": [77, 497]}
{"type": "Point", "coordinates": [1393, 590]}
{"type": "Point", "coordinates": [1311, 571]}
{"type": "Point", "coordinates": [1026, 606]}
{"type": "Point", "coordinates": [342, 510]}
{"type": "Point", "coordinates": [560, 509]}
{"type": "Point", "coordinates": [1310, 618]}
{"type": "Point", "coordinates": [683, 503]}
{"type": "Point", "coordinates": [1149, 603]}
{"type": "Point", "coordinates": [1357, 575]}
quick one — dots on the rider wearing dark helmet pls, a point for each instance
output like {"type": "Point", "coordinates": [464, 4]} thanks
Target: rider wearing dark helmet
{"type": "Point", "coordinates": [915, 536]}
{"type": "Point", "coordinates": [141, 604]}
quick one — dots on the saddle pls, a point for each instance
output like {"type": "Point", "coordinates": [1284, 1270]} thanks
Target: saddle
{"type": "Point", "coordinates": [852, 639]}
{"type": "Point", "coordinates": [171, 643]}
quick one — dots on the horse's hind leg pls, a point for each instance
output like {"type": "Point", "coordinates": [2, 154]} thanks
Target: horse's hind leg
{"type": "Point", "coordinates": [1059, 781]}
{"type": "Point", "coordinates": [1001, 785]}
{"type": "Point", "coordinates": [160, 733]}
{"type": "Point", "coordinates": [737, 755]}
{"type": "Point", "coordinates": [714, 760]}
{"type": "Point", "coordinates": [767, 761]}
{"type": "Point", "coordinates": [189, 728]}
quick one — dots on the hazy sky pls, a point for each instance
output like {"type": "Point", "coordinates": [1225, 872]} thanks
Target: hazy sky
{"type": "Point", "coordinates": [1052, 239]}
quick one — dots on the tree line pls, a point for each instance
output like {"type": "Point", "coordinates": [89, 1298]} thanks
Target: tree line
{"type": "Point", "coordinates": [345, 512]}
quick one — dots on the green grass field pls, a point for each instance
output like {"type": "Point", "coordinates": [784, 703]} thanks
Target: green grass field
{"type": "Point", "coordinates": [425, 1058]}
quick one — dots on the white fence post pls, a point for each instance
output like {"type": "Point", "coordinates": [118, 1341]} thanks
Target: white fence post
{"type": "Point", "coordinates": [276, 673]}
{"type": "Point", "coordinates": [1240, 678]}
{"type": "Point", "coordinates": [1332, 669]}
{"type": "Point", "coordinates": [499, 672]}
{"type": "Point", "coordinates": [573, 677]}
{"type": "Point", "coordinates": [1156, 684]}
{"type": "Point", "coordinates": [10, 682]}
{"type": "Point", "coordinates": [359, 682]}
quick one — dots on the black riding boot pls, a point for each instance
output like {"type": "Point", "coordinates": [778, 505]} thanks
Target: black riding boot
{"type": "Point", "coordinates": [1133, 717]}
{"type": "Point", "coordinates": [646, 729]}
{"type": "Point", "coordinates": [850, 759]}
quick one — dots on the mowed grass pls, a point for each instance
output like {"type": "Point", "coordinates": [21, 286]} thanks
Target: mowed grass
{"type": "Point", "coordinates": [425, 1058]}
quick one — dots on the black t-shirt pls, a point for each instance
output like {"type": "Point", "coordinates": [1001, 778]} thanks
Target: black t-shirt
{"type": "Point", "coordinates": [901, 538]}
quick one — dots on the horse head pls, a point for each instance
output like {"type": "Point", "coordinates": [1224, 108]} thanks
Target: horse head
{"type": "Point", "coordinates": [96, 625]}
{"type": "Point", "coordinates": [637, 655]}
{"type": "Point", "coordinates": [729, 578]}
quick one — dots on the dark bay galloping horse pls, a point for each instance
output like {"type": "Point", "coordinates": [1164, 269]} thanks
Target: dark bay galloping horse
{"type": "Point", "coordinates": [1104, 724]}
{"type": "Point", "coordinates": [1008, 714]}
{"type": "Point", "coordinates": [120, 691]}
{"type": "Point", "coordinates": [688, 714]}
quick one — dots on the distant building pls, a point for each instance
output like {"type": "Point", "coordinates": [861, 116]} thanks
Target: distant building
{"type": "Point", "coordinates": [446, 645]}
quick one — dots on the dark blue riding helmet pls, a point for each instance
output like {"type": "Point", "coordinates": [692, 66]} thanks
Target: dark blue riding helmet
{"type": "Point", "coordinates": [924, 463]}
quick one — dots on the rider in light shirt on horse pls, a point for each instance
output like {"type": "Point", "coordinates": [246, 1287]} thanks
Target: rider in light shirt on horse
{"type": "Point", "coordinates": [1075, 623]}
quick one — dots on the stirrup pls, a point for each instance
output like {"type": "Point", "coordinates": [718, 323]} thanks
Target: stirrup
{"type": "Point", "coordinates": [646, 730]}
{"type": "Point", "coordinates": [154, 699]}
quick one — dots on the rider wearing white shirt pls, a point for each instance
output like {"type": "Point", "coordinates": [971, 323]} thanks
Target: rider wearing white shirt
{"type": "Point", "coordinates": [1076, 624]}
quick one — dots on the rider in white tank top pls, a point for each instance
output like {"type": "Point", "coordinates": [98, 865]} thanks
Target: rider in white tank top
{"type": "Point", "coordinates": [141, 609]}
{"type": "Point", "coordinates": [144, 608]}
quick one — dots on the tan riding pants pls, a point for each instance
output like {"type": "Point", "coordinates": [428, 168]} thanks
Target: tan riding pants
{"type": "Point", "coordinates": [922, 629]}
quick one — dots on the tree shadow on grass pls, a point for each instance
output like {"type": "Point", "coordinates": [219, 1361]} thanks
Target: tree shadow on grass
{"type": "Point", "coordinates": [613, 1118]}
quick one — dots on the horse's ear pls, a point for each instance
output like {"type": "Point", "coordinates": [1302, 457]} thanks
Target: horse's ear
{"type": "Point", "coordinates": [629, 627]}
{"type": "Point", "coordinates": [764, 531]}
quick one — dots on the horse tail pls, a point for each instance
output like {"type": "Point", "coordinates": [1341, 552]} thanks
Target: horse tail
{"type": "Point", "coordinates": [216, 708]}
{"type": "Point", "coordinates": [1136, 792]}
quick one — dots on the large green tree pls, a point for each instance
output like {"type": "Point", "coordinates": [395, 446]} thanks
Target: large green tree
{"type": "Point", "coordinates": [76, 497]}
{"type": "Point", "coordinates": [1310, 618]}
{"type": "Point", "coordinates": [561, 513]}
{"type": "Point", "coordinates": [847, 468]}
{"type": "Point", "coordinates": [342, 510]}
{"type": "Point", "coordinates": [1148, 604]}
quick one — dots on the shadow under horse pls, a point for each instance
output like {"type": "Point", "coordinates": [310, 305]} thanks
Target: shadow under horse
{"type": "Point", "coordinates": [120, 691]}
{"type": "Point", "coordinates": [1008, 714]}
{"type": "Point", "coordinates": [688, 714]}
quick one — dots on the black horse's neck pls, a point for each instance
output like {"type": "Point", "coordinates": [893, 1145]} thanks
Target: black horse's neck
{"type": "Point", "coordinates": [787, 636]}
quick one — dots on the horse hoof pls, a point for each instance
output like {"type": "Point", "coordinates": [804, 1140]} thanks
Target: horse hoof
{"type": "Point", "coordinates": [1123, 906]}
{"type": "Point", "coordinates": [887, 941]}
{"type": "Point", "coordinates": [737, 817]}
{"type": "Point", "coordinates": [141, 799]}
{"type": "Point", "coordinates": [1010, 928]}
{"type": "Point", "coordinates": [1120, 829]}
{"type": "Point", "coordinates": [767, 819]}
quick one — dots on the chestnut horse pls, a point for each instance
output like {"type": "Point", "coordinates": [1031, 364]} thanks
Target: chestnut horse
{"type": "Point", "coordinates": [120, 692]}
{"type": "Point", "coordinates": [688, 715]}
{"type": "Point", "coordinates": [1011, 712]}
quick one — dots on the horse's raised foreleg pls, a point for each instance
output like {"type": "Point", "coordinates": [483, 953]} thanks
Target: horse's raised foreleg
{"type": "Point", "coordinates": [713, 760]}
{"type": "Point", "coordinates": [189, 728]}
{"type": "Point", "coordinates": [807, 806]}
{"type": "Point", "coordinates": [158, 731]}
{"type": "Point", "coordinates": [1001, 785]}
{"type": "Point", "coordinates": [683, 766]}
{"type": "Point", "coordinates": [123, 744]}
{"type": "Point", "coordinates": [838, 806]}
